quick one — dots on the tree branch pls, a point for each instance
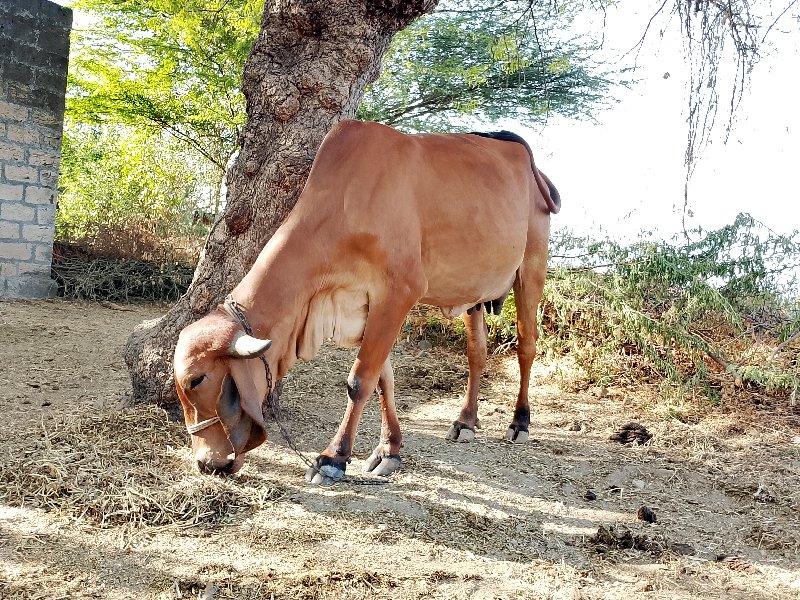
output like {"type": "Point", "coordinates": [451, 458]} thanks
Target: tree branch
{"type": "Point", "coordinates": [778, 18]}
{"type": "Point", "coordinates": [783, 344]}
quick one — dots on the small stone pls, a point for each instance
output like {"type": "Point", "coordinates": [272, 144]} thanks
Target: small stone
{"type": "Point", "coordinates": [646, 514]}
{"type": "Point", "coordinates": [590, 495]}
{"type": "Point", "coordinates": [468, 468]}
{"type": "Point", "coordinates": [599, 392]}
{"type": "Point", "coordinates": [682, 549]}
{"type": "Point", "coordinates": [632, 433]}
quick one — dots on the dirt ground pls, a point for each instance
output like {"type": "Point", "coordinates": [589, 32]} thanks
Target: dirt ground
{"type": "Point", "coordinates": [481, 520]}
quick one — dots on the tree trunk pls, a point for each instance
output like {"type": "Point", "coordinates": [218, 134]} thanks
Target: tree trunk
{"type": "Point", "coordinates": [307, 71]}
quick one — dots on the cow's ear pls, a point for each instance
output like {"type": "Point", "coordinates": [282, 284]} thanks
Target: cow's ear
{"type": "Point", "coordinates": [239, 407]}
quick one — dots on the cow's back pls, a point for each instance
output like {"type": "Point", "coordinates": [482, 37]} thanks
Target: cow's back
{"type": "Point", "coordinates": [456, 206]}
{"type": "Point", "coordinates": [474, 197]}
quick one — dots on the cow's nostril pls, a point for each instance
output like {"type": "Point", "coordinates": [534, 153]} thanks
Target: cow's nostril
{"type": "Point", "coordinates": [209, 469]}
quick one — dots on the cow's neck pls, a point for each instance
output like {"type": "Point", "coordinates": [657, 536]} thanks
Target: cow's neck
{"type": "Point", "coordinates": [275, 294]}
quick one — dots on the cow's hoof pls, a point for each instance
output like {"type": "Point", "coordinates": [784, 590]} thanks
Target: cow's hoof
{"type": "Point", "coordinates": [460, 432]}
{"type": "Point", "coordinates": [517, 434]}
{"type": "Point", "coordinates": [383, 464]}
{"type": "Point", "coordinates": [325, 471]}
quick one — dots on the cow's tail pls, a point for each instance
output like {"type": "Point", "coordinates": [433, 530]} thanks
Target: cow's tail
{"type": "Point", "coordinates": [546, 187]}
{"type": "Point", "coordinates": [549, 192]}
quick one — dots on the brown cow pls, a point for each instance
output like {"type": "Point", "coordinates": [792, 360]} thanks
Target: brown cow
{"type": "Point", "coordinates": [386, 220]}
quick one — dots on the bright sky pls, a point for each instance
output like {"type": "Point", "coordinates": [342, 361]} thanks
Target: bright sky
{"type": "Point", "coordinates": [624, 172]}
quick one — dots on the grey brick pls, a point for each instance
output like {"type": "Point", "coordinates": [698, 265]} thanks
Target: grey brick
{"type": "Point", "coordinates": [23, 135]}
{"type": "Point", "coordinates": [36, 98]}
{"type": "Point", "coordinates": [13, 112]}
{"type": "Point", "coordinates": [37, 233]}
{"type": "Point", "coordinates": [9, 230]}
{"type": "Point", "coordinates": [11, 191]}
{"type": "Point", "coordinates": [42, 158]}
{"type": "Point", "coordinates": [16, 211]}
{"type": "Point", "coordinates": [51, 81]}
{"type": "Point", "coordinates": [58, 61]}
{"type": "Point", "coordinates": [9, 151]}
{"type": "Point", "coordinates": [49, 177]}
{"type": "Point", "coordinates": [31, 285]}
{"type": "Point", "coordinates": [35, 194]}
{"type": "Point", "coordinates": [19, 92]}
{"type": "Point", "coordinates": [8, 270]}
{"type": "Point", "coordinates": [19, 72]}
{"type": "Point", "coordinates": [16, 251]}
{"type": "Point", "coordinates": [46, 214]}
{"type": "Point", "coordinates": [21, 173]}
{"type": "Point", "coordinates": [34, 268]}
{"type": "Point", "coordinates": [44, 118]}
{"type": "Point", "coordinates": [54, 101]}
{"type": "Point", "coordinates": [51, 141]}
{"type": "Point", "coordinates": [55, 42]}
{"type": "Point", "coordinates": [47, 13]}
{"type": "Point", "coordinates": [43, 253]}
{"type": "Point", "coordinates": [24, 52]}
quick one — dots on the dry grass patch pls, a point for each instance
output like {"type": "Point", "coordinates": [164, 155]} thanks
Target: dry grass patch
{"type": "Point", "coordinates": [126, 468]}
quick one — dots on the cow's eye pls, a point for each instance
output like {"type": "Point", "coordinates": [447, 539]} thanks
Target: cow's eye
{"type": "Point", "coordinates": [196, 381]}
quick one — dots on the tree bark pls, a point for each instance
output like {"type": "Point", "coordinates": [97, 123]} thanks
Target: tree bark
{"type": "Point", "coordinates": [307, 71]}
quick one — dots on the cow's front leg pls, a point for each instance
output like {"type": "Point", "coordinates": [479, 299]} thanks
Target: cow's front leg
{"type": "Point", "coordinates": [383, 326]}
{"type": "Point", "coordinates": [385, 459]}
{"type": "Point", "coordinates": [330, 465]}
{"type": "Point", "coordinates": [463, 429]}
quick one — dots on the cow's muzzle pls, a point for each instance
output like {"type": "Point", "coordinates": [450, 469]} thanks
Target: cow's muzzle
{"type": "Point", "coordinates": [207, 469]}
{"type": "Point", "coordinates": [226, 466]}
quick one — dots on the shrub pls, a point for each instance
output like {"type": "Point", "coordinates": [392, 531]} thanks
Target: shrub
{"type": "Point", "coordinates": [127, 193]}
{"type": "Point", "coordinates": [131, 216]}
{"type": "Point", "coordinates": [694, 314]}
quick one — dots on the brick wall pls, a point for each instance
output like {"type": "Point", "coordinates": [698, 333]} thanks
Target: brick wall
{"type": "Point", "coordinates": [34, 48]}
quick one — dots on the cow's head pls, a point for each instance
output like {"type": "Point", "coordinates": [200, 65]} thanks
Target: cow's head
{"type": "Point", "coordinates": [221, 384]}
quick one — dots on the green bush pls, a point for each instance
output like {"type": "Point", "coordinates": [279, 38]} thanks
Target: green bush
{"type": "Point", "coordinates": [131, 215]}
{"type": "Point", "coordinates": [116, 179]}
{"type": "Point", "coordinates": [715, 308]}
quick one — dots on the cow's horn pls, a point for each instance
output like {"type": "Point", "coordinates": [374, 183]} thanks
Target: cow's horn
{"type": "Point", "coordinates": [247, 346]}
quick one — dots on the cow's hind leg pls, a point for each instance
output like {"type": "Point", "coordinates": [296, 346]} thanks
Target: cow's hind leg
{"type": "Point", "coordinates": [463, 429]}
{"type": "Point", "coordinates": [385, 459]}
{"type": "Point", "coordinates": [528, 288]}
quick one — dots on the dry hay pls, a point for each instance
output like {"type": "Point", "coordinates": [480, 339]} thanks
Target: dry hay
{"type": "Point", "coordinates": [120, 280]}
{"type": "Point", "coordinates": [315, 583]}
{"type": "Point", "coordinates": [125, 468]}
